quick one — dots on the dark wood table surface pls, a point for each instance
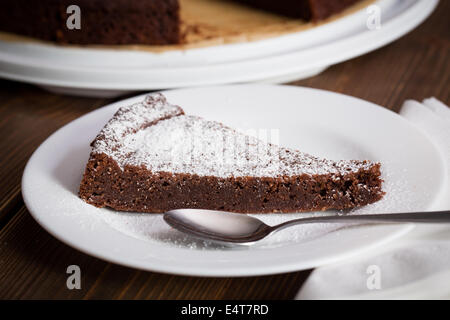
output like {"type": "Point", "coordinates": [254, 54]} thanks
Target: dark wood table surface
{"type": "Point", "coordinates": [33, 263]}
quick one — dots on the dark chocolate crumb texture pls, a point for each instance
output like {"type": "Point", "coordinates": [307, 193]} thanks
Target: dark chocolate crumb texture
{"type": "Point", "coordinates": [151, 157]}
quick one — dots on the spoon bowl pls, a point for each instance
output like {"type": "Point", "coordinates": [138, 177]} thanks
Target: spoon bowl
{"type": "Point", "coordinates": [218, 225]}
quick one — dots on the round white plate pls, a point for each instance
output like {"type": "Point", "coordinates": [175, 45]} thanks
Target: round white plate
{"type": "Point", "coordinates": [294, 56]}
{"type": "Point", "coordinates": [319, 122]}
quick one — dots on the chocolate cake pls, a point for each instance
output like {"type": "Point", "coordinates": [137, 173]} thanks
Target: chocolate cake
{"type": "Point", "coordinates": [107, 22]}
{"type": "Point", "coordinates": [314, 10]}
{"type": "Point", "coordinates": [151, 157]}
{"type": "Point", "coordinates": [120, 22]}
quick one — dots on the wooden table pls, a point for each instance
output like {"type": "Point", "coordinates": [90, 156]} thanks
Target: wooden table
{"type": "Point", "coordinates": [33, 264]}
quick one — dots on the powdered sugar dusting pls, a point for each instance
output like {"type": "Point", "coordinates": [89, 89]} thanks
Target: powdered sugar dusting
{"type": "Point", "coordinates": [157, 135]}
{"type": "Point", "coordinates": [129, 119]}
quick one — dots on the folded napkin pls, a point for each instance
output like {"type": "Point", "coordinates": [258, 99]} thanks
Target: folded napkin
{"type": "Point", "coordinates": [414, 267]}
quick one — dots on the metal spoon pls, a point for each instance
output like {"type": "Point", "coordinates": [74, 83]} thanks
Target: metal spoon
{"type": "Point", "coordinates": [240, 228]}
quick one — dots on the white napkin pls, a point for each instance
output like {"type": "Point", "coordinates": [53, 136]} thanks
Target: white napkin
{"type": "Point", "coordinates": [414, 267]}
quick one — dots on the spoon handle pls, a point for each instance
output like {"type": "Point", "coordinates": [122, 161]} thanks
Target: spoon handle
{"type": "Point", "coordinates": [419, 217]}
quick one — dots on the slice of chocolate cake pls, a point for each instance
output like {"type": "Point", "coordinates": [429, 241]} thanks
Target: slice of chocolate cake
{"type": "Point", "coordinates": [151, 157]}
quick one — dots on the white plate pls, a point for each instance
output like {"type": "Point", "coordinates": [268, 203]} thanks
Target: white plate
{"type": "Point", "coordinates": [294, 56]}
{"type": "Point", "coordinates": [319, 122]}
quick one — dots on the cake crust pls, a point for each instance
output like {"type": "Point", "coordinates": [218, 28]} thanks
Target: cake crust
{"type": "Point", "coordinates": [124, 174]}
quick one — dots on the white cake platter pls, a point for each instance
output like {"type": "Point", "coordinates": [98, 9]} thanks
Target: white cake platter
{"type": "Point", "coordinates": [101, 72]}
